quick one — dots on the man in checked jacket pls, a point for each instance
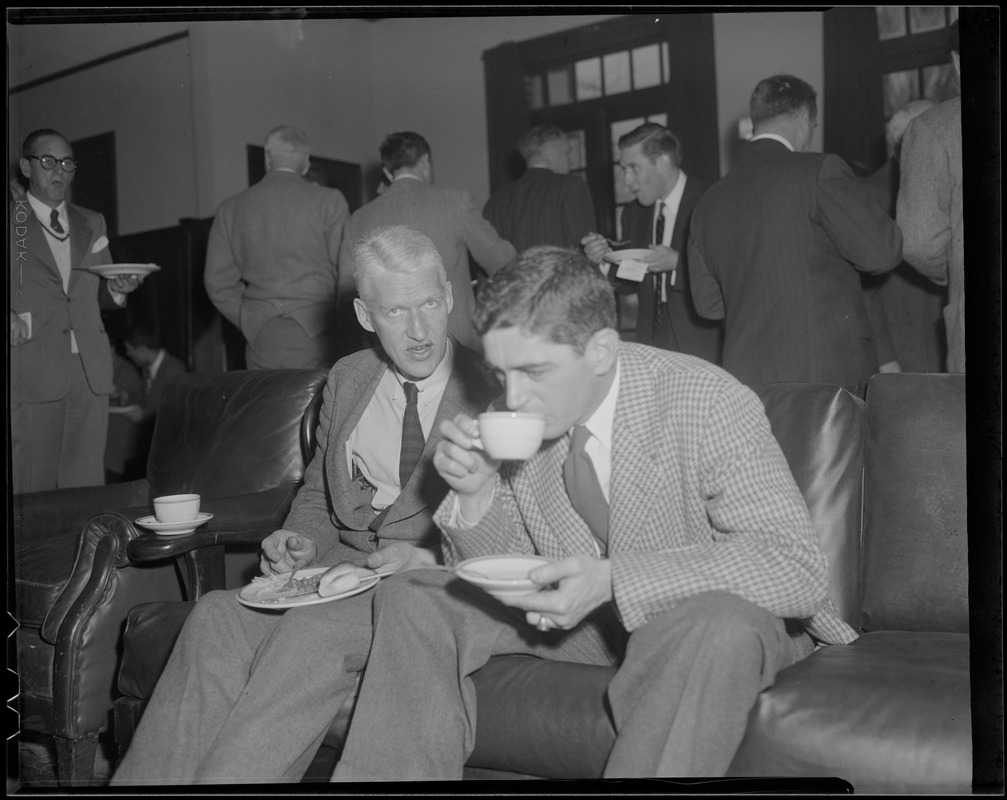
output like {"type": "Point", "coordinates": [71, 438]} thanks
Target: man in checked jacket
{"type": "Point", "coordinates": [701, 578]}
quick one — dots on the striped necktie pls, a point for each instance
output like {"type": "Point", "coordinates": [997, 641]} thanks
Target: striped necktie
{"type": "Point", "coordinates": [54, 222]}
{"type": "Point", "coordinates": [660, 292]}
{"type": "Point", "coordinates": [583, 487]}
{"type": "Point", "coordinates": [412, 435]}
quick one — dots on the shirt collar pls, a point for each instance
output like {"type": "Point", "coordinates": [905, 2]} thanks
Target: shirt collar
{"type": "Point", "coordinates": [407, 176]}
{"type": "Point", "coordinates": [601, 422]}
{"type": "Point", "coordinates": [674, 198]}
{"type": "Point", "coordinates": [156, 364]}
{"type": "Point", "coordinates": [44, 213]}
{"type": "Point", "coordinates": [775, 137]}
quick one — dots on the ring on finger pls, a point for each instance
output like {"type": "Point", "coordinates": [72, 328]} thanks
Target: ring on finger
{"type": "Point", "coordinates": [544, 623]}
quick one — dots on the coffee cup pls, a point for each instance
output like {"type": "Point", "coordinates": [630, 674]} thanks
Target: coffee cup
{"type": "Point", "coordinates": [176, 507]}
{"type": "Point", "coordinates": [510, 435]}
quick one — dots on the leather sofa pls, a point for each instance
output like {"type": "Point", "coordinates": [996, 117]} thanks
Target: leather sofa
{"type": "Point", "coordinates": [884, 479]}
{"type": "Point", "coordinates": [240, 439]}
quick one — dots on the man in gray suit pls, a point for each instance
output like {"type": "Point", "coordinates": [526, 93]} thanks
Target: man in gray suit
{"type": "Point", "coordinates": [271, 260]}
{"type": "Point", "coordinates": [930, 207]}
{"type": "Point", "coordinates": [775, 246]}
{"type": "Point", "coordinates": [448, 216]}
{"type": "Point", "coordinates": [682, 549]}
{"type": "Point", "coordinates": [247, 695]}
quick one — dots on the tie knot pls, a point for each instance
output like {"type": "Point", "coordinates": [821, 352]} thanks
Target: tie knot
{"type": "Point", "coordinates": [411, 393]}
{"type": "Point", "coordinates": [54, 221]}
{"type": "Point", "coordinates": [580, 436]}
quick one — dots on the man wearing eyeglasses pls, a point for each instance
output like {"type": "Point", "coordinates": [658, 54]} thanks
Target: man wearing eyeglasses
{"type": "Point", "coordinates": [59, 357]}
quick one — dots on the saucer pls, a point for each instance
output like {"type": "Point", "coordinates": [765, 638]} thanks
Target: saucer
{"type": "Point", "coordinates": [114, 270]}
{"type": "Point", "coordinates": [627, 255]}
{"type": "Point", "coordinates": [174, 528]}
{"type": "Point", "coordinates": [502, 575]}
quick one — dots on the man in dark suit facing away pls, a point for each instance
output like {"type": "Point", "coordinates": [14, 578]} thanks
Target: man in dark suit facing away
{"type": "Point", "coordinates": [775, 247]}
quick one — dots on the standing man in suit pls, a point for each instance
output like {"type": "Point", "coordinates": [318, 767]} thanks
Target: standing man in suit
{"type": "Point", "coordinates": [60, 357]}
{"type": "Point", "coordinates": [682, 549]}
{"type": "Point", "coordinates": [930, 206]}
{"type": "Point", "coordinates": [651, 161]}
{"type": "Point", "coordinates": [775, 247]}
{"type": "Point", "coordinates": [449, 217]}
{"type": "Point", "coordinates": [271, 260]}
{"type": "Point", "coordinates": [247, 696]}
{"type": "Point", "coordinates": [546, 205]}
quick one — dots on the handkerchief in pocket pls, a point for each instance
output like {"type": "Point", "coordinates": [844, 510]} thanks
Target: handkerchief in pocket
{"type": "Point", "coordinates": [100, 244]}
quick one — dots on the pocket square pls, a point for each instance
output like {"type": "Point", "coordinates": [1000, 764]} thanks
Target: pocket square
{"type": "Point", "coordinates": [100, 244]}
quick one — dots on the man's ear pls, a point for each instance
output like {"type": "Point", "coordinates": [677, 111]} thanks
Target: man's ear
{"type": "Point", "coordinates": [448, 298]}
{"type": "Point", "coordinates": [363, 315]}
{"type": "Point", "coordinates": [602, 348]}
{"type": "Point", "coordinates": [25, 167]}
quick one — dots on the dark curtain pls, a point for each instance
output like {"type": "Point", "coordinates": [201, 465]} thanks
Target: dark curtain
{"type": "Point", "coordinates": [507, 117]}
{"type": "Point", "coordinates": [852, 96]}
{"type": "Point", "coordinates": [693, 101]}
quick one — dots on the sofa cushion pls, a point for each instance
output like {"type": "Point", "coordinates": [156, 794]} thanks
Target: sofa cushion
{"type": "Point", "coordinates": [889, 713]}
{"type": "Point", "coordinates": [820, 429]}
{"type": "Point", "coordinates": [915, 570]}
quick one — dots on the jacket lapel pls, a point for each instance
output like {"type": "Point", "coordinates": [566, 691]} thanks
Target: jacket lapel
{"type": "Point", "coordinates": [636, 475]}
{"type": "Point", "coordinates": [38, 244]}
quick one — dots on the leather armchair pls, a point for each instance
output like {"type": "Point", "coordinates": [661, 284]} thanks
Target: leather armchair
{"type": "Point", "coordinates": [241, 440]}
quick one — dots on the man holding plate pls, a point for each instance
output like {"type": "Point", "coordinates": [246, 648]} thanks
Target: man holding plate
{"type": "Point", "coordinates": [682, 549]}
{"type": "Point", "coordinates": [60, 358]}
{"type": "Point", "coordinates": [248, 694]}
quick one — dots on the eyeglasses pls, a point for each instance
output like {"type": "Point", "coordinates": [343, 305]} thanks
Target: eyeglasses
{"type": "Point", "coordinates": [50, 162]}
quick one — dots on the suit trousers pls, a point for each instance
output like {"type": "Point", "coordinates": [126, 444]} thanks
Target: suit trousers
{"type": "Point", "coordinates": [680, 700]}
{"type": "Point", "coordinates": [60, 444]}
{"type": "Point", "coordinates": [248, 696]}
{"type": "Point", "coordinates": [281, 343]}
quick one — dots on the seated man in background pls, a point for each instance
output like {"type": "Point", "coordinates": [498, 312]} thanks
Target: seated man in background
{"type": "Point", "coordinates": [247, 695]}
{"type": "Point", "coordinates": [682, 548]}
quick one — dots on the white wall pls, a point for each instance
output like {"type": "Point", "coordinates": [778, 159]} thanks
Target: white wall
{"type": "Point", "coordinates": [750, 46]}
{"type": "Point", "coordinates": [145, 99]}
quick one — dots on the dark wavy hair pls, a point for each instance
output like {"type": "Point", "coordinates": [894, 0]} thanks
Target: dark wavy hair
{"type": "Point", "coordinates": [403, 150]}
{"type": "Point", "coordinates": [550, 291]}
{"type": "Point", "coordinates": [656, 140]}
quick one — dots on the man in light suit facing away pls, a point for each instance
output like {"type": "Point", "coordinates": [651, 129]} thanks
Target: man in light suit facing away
{"type": "Point", "coordinates": [683, 550]}
{"type": "Point", "coordinates": [271, 260]}
{"type": "Point", "coordinates": [60, 359]}
{"type": "Point", "coordinates": [930, 207]}
{"type": "Point", "coordinates": [449, 217]}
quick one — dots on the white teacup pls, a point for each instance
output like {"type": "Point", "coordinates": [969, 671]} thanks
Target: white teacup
{"type": "Point", "coordinates": [176, 507]}
{"type": "Point", "coordinates": [510, 435]}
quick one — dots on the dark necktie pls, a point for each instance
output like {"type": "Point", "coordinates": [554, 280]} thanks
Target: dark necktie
{"type": "Point", "coordinates": [658, 277]}
{"type": "Point", "coordinates": [412, 435]}
{"type": "Point", "coordinates": [583, 487]}
{"type": "Point", "coordinates": [54, 222]}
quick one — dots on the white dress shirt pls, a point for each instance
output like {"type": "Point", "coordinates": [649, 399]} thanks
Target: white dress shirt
{"type": "Point", "coordinates": [774, 136]}
{"type": "Point", "coordinates": [370, 447]}
{"type": "Point", "coordinates": [669, 207]}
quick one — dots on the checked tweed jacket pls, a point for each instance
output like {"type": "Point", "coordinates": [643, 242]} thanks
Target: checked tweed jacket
{"type": "Point", "coordinates": [701, 499]}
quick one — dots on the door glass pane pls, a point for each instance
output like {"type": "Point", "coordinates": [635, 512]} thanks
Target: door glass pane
{"type": "Point", "coordinates": [660, 119]}
{"type": "Point", "coordinates": [899, 88]}
{"type": "Point", "coordinates": [646, 66]}
{"type": "Point", "coordinates": [621, 128]}
{"type": "Point", "coordinates": [533, 86]}
{"type": "Point", "coordinates": [575, 150]}
{"type": "Point", "coordinates": [588, 75]}
{"type": "Point", "coordinates": [617, 73]}
{"type": "Point", "coordinates": [939, 83]}
{"type": "Point", "coordinates": [559, 86]}
{"type": "Point", "coordinates": [665, 70]}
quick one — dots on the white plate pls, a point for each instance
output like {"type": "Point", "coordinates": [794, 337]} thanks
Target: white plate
{"type": "Point", "coordinates": [616, 256]}
{"type": "Point", "coordinates": [114, 270]}
{"type": "Point", "coordinates": [261, 592]}
{"type": "Point", "coordinates": [502, 575]}
{"type": "Point", "coordinates": [174, 528]}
